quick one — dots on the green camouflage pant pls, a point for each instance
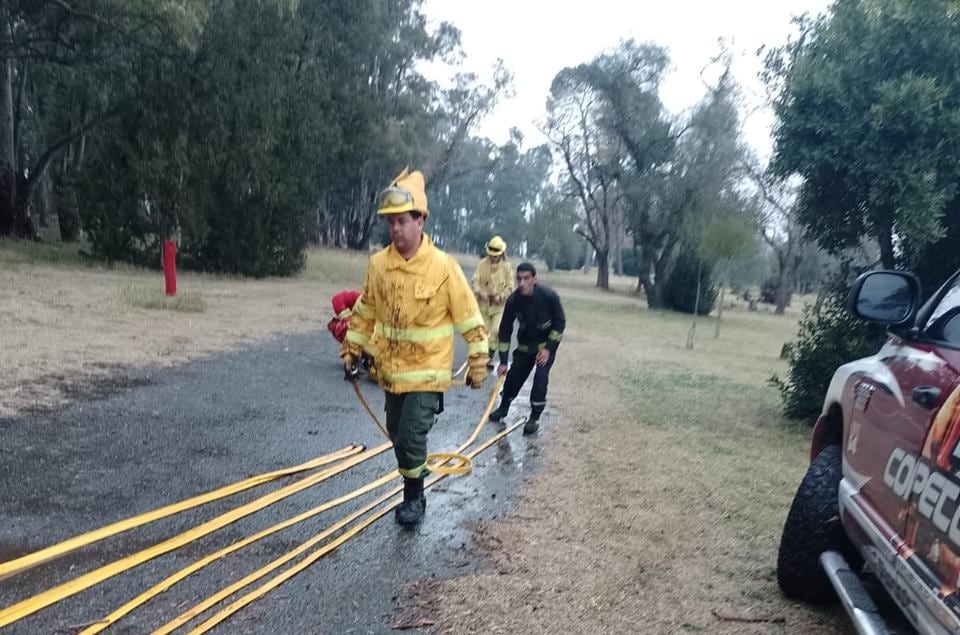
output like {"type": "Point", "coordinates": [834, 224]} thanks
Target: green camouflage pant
{"type": "Point", "coordinates": [409, 418]}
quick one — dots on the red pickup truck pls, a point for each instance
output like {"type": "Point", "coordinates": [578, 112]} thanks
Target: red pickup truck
{"type": "Point", "coordinates": [882, 494]}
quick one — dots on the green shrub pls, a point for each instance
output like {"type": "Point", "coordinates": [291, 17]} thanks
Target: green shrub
{"type": "Point", "coordinates": [680, 289]}
{"type": "Point", "coordinates": [631, 267]}
{"type": "Point", "coordinates": [829, 337]}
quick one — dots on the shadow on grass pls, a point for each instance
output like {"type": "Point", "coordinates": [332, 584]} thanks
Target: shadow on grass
{"type": "Point", "coordinates": [26, 252]}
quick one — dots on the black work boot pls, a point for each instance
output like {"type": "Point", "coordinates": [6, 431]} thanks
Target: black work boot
{"type": "Point", "coordinates": [533, 423]}
{"type": "Point", "coordinates": [501, 412]}
{"type": "Point", "coordinates": [414, 502]}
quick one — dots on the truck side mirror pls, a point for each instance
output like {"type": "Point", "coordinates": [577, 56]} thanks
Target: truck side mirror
{"type": "Point", "coordinates": [891, 298]}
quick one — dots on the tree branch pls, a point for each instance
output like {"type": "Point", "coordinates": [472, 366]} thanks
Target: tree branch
{"type": "Point", "coordinates": [41, 165]}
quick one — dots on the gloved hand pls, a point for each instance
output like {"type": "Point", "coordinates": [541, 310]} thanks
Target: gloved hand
{"type": "Point", "coordinates": [477, 372]}
{"type": "Point", "coordinates": [350, 370]}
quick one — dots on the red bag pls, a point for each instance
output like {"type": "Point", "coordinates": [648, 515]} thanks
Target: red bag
{"type": "Point", "coordinates": [342, 305]}
{"type": "Point", "coordinates": [344, 301]}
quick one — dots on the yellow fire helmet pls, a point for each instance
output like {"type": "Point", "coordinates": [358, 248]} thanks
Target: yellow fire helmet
{"type": "Point", "coordinates": [496, 246]}
{"type": "Point", "coordinates": [407, 193]}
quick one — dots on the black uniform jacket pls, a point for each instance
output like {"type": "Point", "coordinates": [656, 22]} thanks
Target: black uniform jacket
{"type": "Point", "coordinates": [541, 321]}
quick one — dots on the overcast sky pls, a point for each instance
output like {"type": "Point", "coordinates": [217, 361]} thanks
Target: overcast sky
{"type": "Point", "coordinates": [537, 38]}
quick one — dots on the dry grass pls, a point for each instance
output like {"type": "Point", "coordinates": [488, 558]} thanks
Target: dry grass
{"type": "Point", "coordinates": [70, 327]}
{"type": "Point", "coordinates": [667, 472]}
{"type": "Point", "coordinates": [153, 298]}
{"type": "Point", "coordinates": [667, 476]}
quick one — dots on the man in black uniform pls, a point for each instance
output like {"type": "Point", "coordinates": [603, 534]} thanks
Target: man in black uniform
{"type": "Point", "coordinates": [537, 309]}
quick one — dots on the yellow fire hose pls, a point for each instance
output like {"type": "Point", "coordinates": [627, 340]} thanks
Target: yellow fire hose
{"type": "Point", "coordinates": [311, 558]}
{"type": "Point", "coordinates": [460, 382]}
{"type": "Point", "coordinates": [35, 603]}
{"type": "Point", "coordinates": [167, 583]}
{"type": "Point", "coordinates": [72, 544]}
{"type": "Point", "coordinates": [42, 600]}
{"type": "Point", "coordinates": [366, 406]}
{"type": "Point", "coordinates": [171, 580]}
{"type": "Point", "coordinates": [438, 461]}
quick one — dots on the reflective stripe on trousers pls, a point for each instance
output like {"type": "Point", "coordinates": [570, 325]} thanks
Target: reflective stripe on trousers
{"type": "Point", "coordinates": [409, 418]}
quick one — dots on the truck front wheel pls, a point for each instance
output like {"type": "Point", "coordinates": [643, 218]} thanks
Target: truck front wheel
{"type": "Point", "coordinates": [812, 527]}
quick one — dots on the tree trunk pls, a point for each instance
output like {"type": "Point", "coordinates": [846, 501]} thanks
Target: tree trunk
{"type": "Point", "coordinates": [646, 282]}
{"type": "Point", "coordinates": [8, 166]}
{"type": "Point", "coordinates": [603, 269]}
{"type": "Point", "coordinates": [885, 238]}
{"type": "Point", "coordinates": [360, 229]}
{"type": "Point", "coordinates": [781, 293]}
{"type": "Point", "coordinates": [653, 292]}
{"type": "Point", "coordinates": [42, 203]}
{"type": "Point", "coordinates": [723, 291]}
{"type": "Point", "coordinates": [68, 215]}
{"type": "Point", "coordinates": [14, 215]}
{"type": "Point", "coordinates": [660, 267]}
{"type": "Point", "coordinates": [692, 334]}
{"type": "Point", "coordinates": [69, 223]}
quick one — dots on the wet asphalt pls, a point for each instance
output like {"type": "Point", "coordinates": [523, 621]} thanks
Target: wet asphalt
{"type": "Point", "coordinates": [184, 431]}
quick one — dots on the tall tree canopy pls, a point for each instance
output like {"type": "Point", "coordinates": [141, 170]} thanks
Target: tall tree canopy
{"type": "Point", "coordinates": [868, 95]}
{"type": "Point", "coordinates": [56, 59]}
{"type": "Point", "coordinates": [491, 191]}
{"type": "Point", "coordinates": [629, 163]}
{"type": "Point", "coordinates": [606, 122]}
{"type": "Point", "coordinates": [243, 129]}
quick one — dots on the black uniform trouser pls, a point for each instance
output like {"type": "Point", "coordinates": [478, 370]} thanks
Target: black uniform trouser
{"type": "Point", "coordinates": [523, 363]}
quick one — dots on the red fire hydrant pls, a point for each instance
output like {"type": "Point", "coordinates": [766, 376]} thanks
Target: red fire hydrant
{"type": "Point", "coordinates": [170, 266]}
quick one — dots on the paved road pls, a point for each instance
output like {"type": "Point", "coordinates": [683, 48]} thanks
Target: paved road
{"type": "Point", "coordinates": [213, 422]}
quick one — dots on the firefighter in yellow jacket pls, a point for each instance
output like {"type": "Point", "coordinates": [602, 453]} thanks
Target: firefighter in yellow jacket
{"type": "Point", "coordinates": [492, 284]}
{"type": "Point", "coordinates": [415, 297]}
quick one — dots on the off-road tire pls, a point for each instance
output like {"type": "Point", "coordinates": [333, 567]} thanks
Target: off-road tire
{"type": "Point", "coordinates": [812, 527]}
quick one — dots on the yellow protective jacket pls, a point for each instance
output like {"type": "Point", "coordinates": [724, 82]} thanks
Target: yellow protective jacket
{"type": "Point", "coordinates": [412, 308]}
{"type": "Point", "coordinates": [492, 280]}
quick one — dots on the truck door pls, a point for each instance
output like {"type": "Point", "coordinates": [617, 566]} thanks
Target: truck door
{"type": "Point", "coordinates": [888, 426]}
{"type": "Point", "coordinates": [933, 518]}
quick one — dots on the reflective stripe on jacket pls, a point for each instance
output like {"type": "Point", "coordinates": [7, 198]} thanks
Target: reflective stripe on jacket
{"type": "Point", "coordinates": [412, 309]}
{"type": "Point", "coordinates": [541, 321]}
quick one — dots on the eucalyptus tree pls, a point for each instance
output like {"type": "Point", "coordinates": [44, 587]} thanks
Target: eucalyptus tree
{"type": "Point", "coordinates": [460, 110]}
{"type": "Point", "coordinates": [629, 112]}
{"type": "Point", "coordinates": [781, 230]}
{"type": "Point", "coordinates": [491, 191]}
{"type": "Point", "coordinates": [214, 145]}
{"type": "Point", "coordinates": [697, 180]}
{"type": "Point", "coordinates": [550, 233]}
{"type": "Point", "coordinates": [385, 110]}
{"type": "Point", "coordinates": [593, 156]}
{"type": "Point", "coordinates": [279, 123]}
{"type": "Point", "coordinates": [39, 35]}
